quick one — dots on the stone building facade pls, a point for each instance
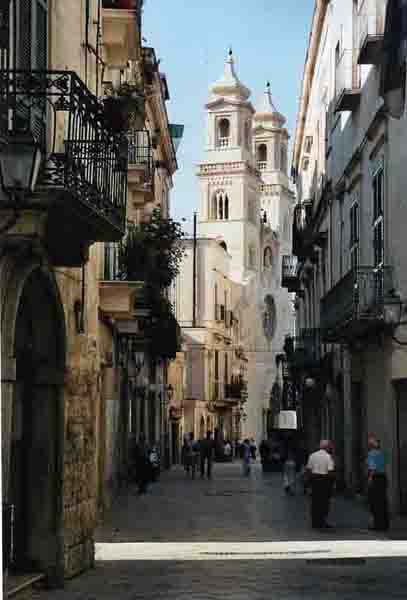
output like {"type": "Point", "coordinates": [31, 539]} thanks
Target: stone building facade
{"type": "Point", "coordinates": [66, 401]}
{"type": "Point", "coordinates": [349, 277]}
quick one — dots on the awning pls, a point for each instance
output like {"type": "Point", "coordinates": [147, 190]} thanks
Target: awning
{"type": "Point", "coordinates": [176, 133]}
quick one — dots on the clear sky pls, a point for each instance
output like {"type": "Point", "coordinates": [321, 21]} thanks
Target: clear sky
{"type": "Point", "coordinates": [269, 40]}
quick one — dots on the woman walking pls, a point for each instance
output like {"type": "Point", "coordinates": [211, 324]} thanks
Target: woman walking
{"type": "Point", "coordinates": [246, 457]}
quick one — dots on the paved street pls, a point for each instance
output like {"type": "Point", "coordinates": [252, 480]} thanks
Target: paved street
{"type": "Point", "coordinates": [233, 539]}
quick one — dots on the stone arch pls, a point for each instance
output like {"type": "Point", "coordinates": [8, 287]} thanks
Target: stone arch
{"type": "Point", "coordinates": [224, 128]}
{"type": "Point", "coordinates": [262, 153]}
{"type": "Point", "coordinates": [33, 368]}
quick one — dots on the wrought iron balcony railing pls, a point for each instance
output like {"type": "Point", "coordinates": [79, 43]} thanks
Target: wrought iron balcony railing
{"type": "Point", "coordinates": [87, 161]}
{"type": "Point", "coordinates": [304, 352]}
{"type": "Point", "coordinates": [141, 152]}
{"type": "Point", "coordinates": [347, 82]}
{"type": "Point", "coordinates": [233, 391]}
{"type": "Point", "coordinates": [290, 278]}
{"type": "Point", "coordinates": [371, 34]}
{"type": "Point", "coordinates": [355, 305]}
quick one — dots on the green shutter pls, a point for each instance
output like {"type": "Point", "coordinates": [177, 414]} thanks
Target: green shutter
{"type": "Point", "coordinates": [32, 46]}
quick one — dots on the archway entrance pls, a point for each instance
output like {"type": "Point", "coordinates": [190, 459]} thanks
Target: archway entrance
{"type": "Point", "coordinates": [36, 455]}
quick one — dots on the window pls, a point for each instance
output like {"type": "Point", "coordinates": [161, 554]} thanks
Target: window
{"type": "Point", "coordinates": [31, 44]}
{"type": "Point", "coordinates": [268, 258]}
{"type": "Point", "coordinates": [223, 133]}
{"type": "Point", "coordinates": [226, 373]}
{"type": "Point", "coordinates": [220, 206]}
{"type": "Point", "coordinates": [378, 233]}
{"type": "Point", "coordinates": [354, 235]}
{"type": "Point", "coordinates": [262, 157]}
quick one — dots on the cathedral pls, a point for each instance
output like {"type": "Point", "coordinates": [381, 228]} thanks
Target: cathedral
{"type": "Point", "coordinates": [245, 219]}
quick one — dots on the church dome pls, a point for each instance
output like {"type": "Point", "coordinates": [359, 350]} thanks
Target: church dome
{"type": "Point", "coordinates": [266, 112]}
{"type": "Point", "coordinates": [229, 85]}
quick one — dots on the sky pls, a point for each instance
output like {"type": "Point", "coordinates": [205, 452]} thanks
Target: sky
{"type": "Point", "coordinates": [269, 39]}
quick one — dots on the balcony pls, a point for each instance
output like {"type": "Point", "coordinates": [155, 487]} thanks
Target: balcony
{"type": "Point", "coordinates": [140, 168]}
{"type": "Point", "coordinates": [290, 278]}
{"type": "Point", "coordinates": [262, 165]}
{"type": "Point", "coordinates": [347, 83]}
{"type": "Point", "coordinates": [355, 307]}
{"type": "Point", "coordinates": [304, 352]}
{"type": "Point", "coordinates": [233, 391]}
{"type": "Point", "coordinates": [83, 182]}
{"type": "Point", "coordinates": [371, 35]}
{"type": "Point", "coordinates": [120, 298]}
{"type": "Point", "coordinates": [150, 64]}
{"type": "Point", "coordinates": [121, 30]}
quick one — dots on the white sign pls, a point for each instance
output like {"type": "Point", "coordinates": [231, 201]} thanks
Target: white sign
{"type": "Point", "coordinates": [287, 419]}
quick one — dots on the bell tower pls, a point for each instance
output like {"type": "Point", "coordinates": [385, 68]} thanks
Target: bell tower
{"type": "Point", "coordinates": [229, 181]}
{"type": "Point", "coordinates": [270, 146]}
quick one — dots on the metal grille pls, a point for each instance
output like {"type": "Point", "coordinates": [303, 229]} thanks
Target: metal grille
{"type": "Point", "coordinates": [92, 162]}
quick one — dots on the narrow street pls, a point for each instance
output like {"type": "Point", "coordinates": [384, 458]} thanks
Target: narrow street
{"type": "Point", "coordinates": [235, 538]}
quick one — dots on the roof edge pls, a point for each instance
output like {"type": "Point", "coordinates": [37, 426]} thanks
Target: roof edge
{"type": "Point", "coordinates": [318, 20]}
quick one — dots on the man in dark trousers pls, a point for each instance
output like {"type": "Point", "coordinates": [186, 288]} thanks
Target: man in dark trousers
{"type": "Point", "coordinates": [207, 451]}
{"type": "Point", "coordinates": [377, 485]}
{"type": "Point", "coordinates": [320, 472]}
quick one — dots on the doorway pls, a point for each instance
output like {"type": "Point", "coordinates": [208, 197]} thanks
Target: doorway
{"type": "Point", "coordinates": [34, 491]}
{"type": "Point", "coordinates": [401, 400]}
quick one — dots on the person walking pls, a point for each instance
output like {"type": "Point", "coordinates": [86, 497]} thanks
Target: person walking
{"type": "Point", "coordinates": [207, 451]}
{"type": "Point", "coordinates": [187, 453]}
{"type": "Point", "coordinates": [290, 474]}
{"type": "Point", "coordinates": [246, 458]}
{"type": "Point", "coordinates": [253, 449]}
{"type": "Point", "coordinates": [377, 485]}
{"type": "Point", "coordinates": [143, 465]}
{"type": "Point", "coordinates": [321, 472]}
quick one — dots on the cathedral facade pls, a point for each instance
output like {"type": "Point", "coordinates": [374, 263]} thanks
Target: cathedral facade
{"type": "Point", "coordinates": [247, 205]}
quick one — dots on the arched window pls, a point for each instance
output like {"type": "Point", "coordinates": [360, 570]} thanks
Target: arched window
{"type": "Point", "coordinates": [262, 157]}
{"type": "Point", "coordinates": [220, 206]}
{"type": "Point", "coordinates": [223, 133]}
{"type": "Point", "coordinates": [268, 258]}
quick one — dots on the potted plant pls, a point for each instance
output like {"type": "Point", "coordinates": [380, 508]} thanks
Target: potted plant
{"type": "Point", "coordinates": [124, 104]}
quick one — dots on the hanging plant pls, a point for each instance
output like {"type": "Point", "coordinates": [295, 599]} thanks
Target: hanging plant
{"type": "Point", "coordinates": [124, 106]}
{"type": "Point", "coordinates": [152, 252]}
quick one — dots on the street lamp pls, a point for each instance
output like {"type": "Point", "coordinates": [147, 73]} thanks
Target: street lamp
{"type": "Point", "coordinates": [20, 162]}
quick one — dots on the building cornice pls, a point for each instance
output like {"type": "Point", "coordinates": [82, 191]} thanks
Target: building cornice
{"type": "Point", "coordinates": [308, 75]}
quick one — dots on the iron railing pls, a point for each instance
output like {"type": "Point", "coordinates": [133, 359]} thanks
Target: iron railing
{"type": "Point", "coordinates": [356, 302]}
{"type": "Point", "coordinates": [347, 74]}
{"type": "Point", "coordinates": [85, 156]}
{"type": "Point", "coordinates": [234, 390]}
{"type": "Point", "coordinates": [370, 22]}
{"type": "Point", "coordinates": [290, 273]}
{"type": "Point", "coordinates": [140, 151]}
{"type": "Point", "coordinates": [304, 351]}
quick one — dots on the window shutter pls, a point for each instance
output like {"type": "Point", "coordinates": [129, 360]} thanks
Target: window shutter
{"type": "Point", "coordinates": [4, 59]}
{"type": "Point", "coordinates": [32, 46]}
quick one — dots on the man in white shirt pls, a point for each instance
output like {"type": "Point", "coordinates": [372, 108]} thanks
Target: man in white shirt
{"type": "Point", "coordinates": [321, 472]}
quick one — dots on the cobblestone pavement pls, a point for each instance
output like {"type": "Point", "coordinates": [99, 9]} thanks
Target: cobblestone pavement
{"type": "Point", "coordinates": [251, 526]}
